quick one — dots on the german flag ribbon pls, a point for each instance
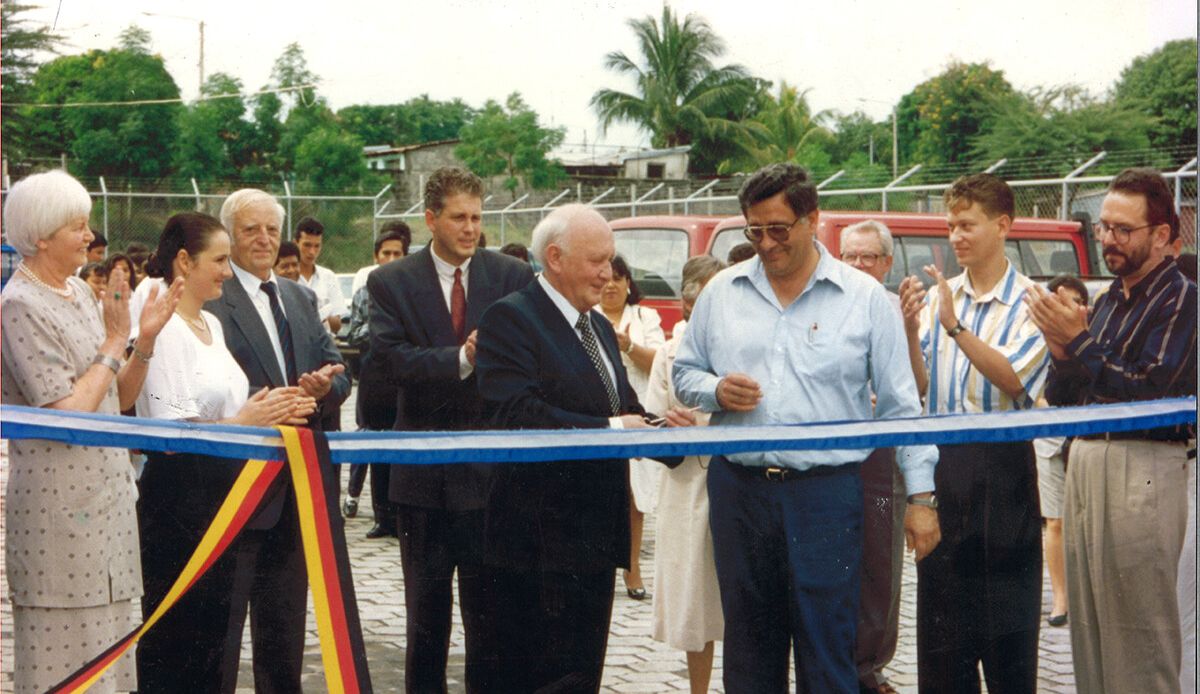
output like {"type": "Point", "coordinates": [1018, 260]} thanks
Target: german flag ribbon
{"type": "Point", "coordinates": [342, 651]}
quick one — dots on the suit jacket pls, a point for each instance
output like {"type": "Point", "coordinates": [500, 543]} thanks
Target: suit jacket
{"type": "Point", "coordinates": [248, 341]}
{"type": "Point", "coordinates": [565, 516]}
{"type": "Point", "coordinates": [413, 344]}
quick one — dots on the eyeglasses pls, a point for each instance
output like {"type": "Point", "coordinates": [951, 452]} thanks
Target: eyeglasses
{"type": "Point", "coordinates": [777, 232]}
{"type": "Point", "coordinates": [867, 259]}
{"type": "Point", "coordinates": [1120, 233]}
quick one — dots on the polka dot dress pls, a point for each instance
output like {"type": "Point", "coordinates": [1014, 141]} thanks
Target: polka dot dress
{"type": "Point", "coordinates": [71, 541]}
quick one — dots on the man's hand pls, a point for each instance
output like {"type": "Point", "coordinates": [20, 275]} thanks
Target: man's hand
{"type": "Point", "coordinates": [912, 299]}
{"type": "Point", "coordinates": [946, 314]}
{"type": "Point", "coordinates": [680, 417]}
{"type": "Point", "coordinates": [738, 393]}
{"type": "Point", "coordinates": [317, 383]}
{"type": "Point", "coordinates": [1059, 319]}
{"type": "Point", "coordinates": [469, 347]}
{"type": "Point", "coordinates": [921, 530]}
{"type": "Point", "coordinates": [634, 421]}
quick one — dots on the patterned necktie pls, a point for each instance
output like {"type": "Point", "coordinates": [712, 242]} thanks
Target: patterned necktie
{"type": "Point", "coordinates": [458, 307]}
{"type": "Point", "coordinates": [285, 333]}
{"type": "Point", "coordinates": [584, 325]}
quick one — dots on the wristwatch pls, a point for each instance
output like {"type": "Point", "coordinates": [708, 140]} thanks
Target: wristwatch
{"type": "Point", "coordinates": [958, 328]}
{"type": "Point", "coordinates": [929, 501]}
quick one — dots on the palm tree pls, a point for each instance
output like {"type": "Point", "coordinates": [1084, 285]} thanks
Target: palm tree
{"type": "Point", "coordinates": [680, 96]}
{"type": "Point", "coordinates": [788, 130]}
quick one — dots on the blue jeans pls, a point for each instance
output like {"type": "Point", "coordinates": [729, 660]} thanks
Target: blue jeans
{"type": "Point", "coordinates": [788, 554]}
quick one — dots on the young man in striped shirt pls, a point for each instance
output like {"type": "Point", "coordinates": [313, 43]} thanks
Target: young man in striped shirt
{"type": "Point", "coordinates": [1126, 492]}
{"type": "Point", "coordinates": [975, 349]}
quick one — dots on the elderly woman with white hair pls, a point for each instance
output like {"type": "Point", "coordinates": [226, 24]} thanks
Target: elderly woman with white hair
{"type": "Point", "coordinates": [71, 535]}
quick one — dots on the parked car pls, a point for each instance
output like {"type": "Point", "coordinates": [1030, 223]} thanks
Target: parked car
{"type": "Point", "coordinates": [656, 247]}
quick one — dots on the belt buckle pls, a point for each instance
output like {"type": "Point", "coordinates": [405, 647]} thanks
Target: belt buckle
{"type": "Point", "coordinates": [775, 474]}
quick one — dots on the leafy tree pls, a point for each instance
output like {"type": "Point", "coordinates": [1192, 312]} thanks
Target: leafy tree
{"type": "Point", "coordinates": [18, 45]}
{"type": "Point", "coordinates": [415, 121]}
{"type": "Point", "coordinates": [134, 39]}
{"type": "Point", "coordinates": [213, 134]}
{"type": "Point", "coordinates": [291, 70]}
{"type": "Point", "coordinates": [938, 119]}
{"type": "Point", "coordinates": [1064, 125]}
{"type": "Point", "coordinates": [507, 140]}
{"type": "Point", "coordinates": [121, 140]}
{"type": "Point", "coordinates": [1163, 84]}
{"type": "Point", "coordinates": [263, 137]}
{"type": "Point", "coordinates": [788, 130]}
{"type": "Point", "coordinates": [681, 97]}
{"type": "Point", "coordinates": [853, 135]}
{"type": "Point", "coordinates": [330, 159]}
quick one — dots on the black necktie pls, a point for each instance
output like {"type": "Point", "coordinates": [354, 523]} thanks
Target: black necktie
{"type": "Point", "coordinates": [285, 333]}
{"type": "Point", "coordinates": [584, 324]}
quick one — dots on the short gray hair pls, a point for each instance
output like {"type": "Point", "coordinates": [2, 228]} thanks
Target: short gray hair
{"type": "Point", "coordinates": [241, 199]}
{"type": "Point", "coordinates": [41, 204]}
{"type": "Point", "coordinates": [553, 229]}
{"type": "Point", "coordinates": [871, 226]}
{"type": "Point", "coordinates": [701, 269]}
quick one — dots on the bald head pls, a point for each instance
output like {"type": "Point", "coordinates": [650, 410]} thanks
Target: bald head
{"type": "Point", "coordinates": [574, 244]}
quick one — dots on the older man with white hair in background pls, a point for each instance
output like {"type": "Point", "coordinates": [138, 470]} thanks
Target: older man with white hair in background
{"type": "Point", "coordinates": [867, 246]}
{"type": "Point", "coordinates": [557, 531]}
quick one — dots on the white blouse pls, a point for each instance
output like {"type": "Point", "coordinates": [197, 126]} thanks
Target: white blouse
{"type": "Point", "coordinates": [189, 380]}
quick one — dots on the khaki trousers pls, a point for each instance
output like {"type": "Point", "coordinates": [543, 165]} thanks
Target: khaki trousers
{"type": "Point", "coordinates": [1123, 527]}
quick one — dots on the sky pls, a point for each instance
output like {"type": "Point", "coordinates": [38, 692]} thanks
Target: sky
{"type": "Point", "coordinates": [850, 54]}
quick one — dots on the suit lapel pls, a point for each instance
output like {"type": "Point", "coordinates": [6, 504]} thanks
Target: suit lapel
{"type": "Point", "coordinates": [563, 336]}
{"type": "Point", "coordinates": [297, 314]}
{"type": "Point", "coordinates": [245, 317]}
{"type": "Point", "coordinates": [429, 301]}
{"type": "Point", "coordinates": [482, 290]}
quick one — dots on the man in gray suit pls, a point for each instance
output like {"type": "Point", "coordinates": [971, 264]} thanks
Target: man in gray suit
{"type": "Point", "coordinates": [272, 329]}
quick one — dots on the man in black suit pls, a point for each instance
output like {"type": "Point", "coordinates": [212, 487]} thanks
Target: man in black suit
{"type": "Point", "coordinates": [556, 531]}
{"type": "Point", "coordinates": [424, 309]}
{"type": "Point", "coordinates": [272, 329]}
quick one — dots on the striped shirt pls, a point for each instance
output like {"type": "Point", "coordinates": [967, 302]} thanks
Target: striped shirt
{"type": "Point", "coordinates": [1001, 319]}
{"type": "Point", "coordinates": [1139, 347]}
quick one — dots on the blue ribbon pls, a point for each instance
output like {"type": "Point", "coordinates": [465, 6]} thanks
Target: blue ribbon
{"type": "Point", "coordinates": [89, 429]}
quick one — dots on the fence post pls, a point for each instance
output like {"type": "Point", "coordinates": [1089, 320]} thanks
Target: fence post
{"type": "Point", "coordinates": [287, 192]}
{"type": "Point", "coordinates": [707, 187]}
{"type": "Point", "coordinates": [506, 209]}
{"type": "Point", "coordinates": [1063, 211]}
{"type": "Point", "coordinates": [894, 183]}
{"type": "Point", "coordinates": [104, 206]}
{"type": "Point", "coordinates": [671, 197]}
{"type": "Point", "coordinates": [632, 199]}
{"type": "Point", "coordinates": [196, 190]}
{"type": "Point", "coordinates": [1179, 183]}
{"type": "Point", "coordinates": [648, 193]}
{"type": "Point", "coordinates": [376, 210]}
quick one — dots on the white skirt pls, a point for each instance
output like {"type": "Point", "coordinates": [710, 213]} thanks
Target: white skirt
{"type": "Point", "coordinates": [644, 475]}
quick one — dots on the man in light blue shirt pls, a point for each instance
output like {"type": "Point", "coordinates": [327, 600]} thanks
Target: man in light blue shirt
{"type": "Point", "coordinates": [794, 336]}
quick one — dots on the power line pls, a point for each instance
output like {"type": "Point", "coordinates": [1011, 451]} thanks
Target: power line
{"type": "Point", "coordinates": [151, 102]}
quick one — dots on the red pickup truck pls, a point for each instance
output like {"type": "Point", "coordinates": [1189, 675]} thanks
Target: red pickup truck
{"type": "Point", "coordinates": [656, 247]}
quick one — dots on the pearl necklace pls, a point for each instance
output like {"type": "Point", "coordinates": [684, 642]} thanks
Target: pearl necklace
{"type": "Point", "coordinates": [66, 292]}
{"type": "Point", "coordinates": [197, 324]}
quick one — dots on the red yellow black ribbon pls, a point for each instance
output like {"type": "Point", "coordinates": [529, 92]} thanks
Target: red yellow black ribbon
{"type": "Point", "coordinates": [342, 651]}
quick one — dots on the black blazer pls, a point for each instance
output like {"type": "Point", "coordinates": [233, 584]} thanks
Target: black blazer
{"type": "Point", "coordinates": [413, 344]}
{"type": "Point", "coordinates": [533, 373]}
{"type": "Point", "coordinates": [248, 341]}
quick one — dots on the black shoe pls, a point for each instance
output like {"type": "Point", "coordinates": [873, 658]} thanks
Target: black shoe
{"type": "Point", "coordinates": [1057, 620]}
{"type": "Point", "coordinates": [637, 593]}
{"type": "Point", "coordinates": [377, 531]}
{"type": "Point", "coordinates": [350, 507]}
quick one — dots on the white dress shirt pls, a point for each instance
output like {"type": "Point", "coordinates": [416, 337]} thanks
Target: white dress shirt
{"type": "Point", "coordinates": [262, 304]}
{"type": "Point", "coordinates": [445, 273]}
{"type": "Point", "coordinates": [324, 284]}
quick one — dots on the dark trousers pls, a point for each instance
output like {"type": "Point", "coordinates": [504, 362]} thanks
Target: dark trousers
{"type": "Point", "coordinates": [787, 555]}
{"type": "Point", "coordinates": [384, 511]}
{"type": "Point", "coordinates": [179, 496]}
{"type": "Point", "coordinates": [271, 581]}
{"type": "Point", "coordinates": [979, 592]}
{"type": "Point", "coordinates": [433, 543]}
{"type": "Point", "coordinates": [551, 630]}
{"type": "Point", "coordinates": [882, 566]}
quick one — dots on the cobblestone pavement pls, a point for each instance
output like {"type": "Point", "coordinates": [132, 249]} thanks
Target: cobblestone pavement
{"type": "Point", "coordinates": [635, 662]}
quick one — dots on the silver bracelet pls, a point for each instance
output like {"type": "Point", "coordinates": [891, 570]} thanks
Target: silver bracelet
{"type": "Point", "coordinates": [105, 360]}
{"type": "Point", "coordinates": [142, 355]}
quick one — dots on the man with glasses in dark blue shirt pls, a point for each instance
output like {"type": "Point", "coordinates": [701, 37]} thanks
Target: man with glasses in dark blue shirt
{"type": "Point", "coordinates": [1126, 492]}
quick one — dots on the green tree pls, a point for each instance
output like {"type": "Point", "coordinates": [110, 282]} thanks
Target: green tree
{"type": "Point", "coordinates": [681, 97]}
{"type": "Point", "coordinates": [417, 120]}
{"type": "Point", "coordinates": [1063, 125]}
{"type": "Point", "coordinates": [788, 130]}
{"type": "Point", "coordinates": [854, 137]}
{"type": "Point", "coordinates": [291, 70]}
{"type": "Point", "coordinates": [117, 140]}
{"type": "Point", "coordinates": [134, 39]}
{"type": "Point", "coordinates": [330, 159]}
{"type": "Point", "coordinates": [939, 118]}
{"type": "Point", "coordinates": [1163, 85]}
{"type": "Point", "coordinates": [213, 134]}
{"type": "Point", "coordinates": [263, 137]}
{"type": "Point", "coordinates": [19, 43]}
{"type": "Point", "coordinates": [507, 140]}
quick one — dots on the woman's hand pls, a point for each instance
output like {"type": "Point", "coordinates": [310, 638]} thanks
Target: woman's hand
{"type": "Point", "coordinates": [623, 340]}
{"type": "Point", "coordinates": [114, 302]}
{"type": "Point", "coordinates": [158, 309]}
{"type": "Point", "coordinates": [269, 406]}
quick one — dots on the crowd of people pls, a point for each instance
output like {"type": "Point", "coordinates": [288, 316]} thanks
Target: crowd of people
{"type": "Point", "coordinates": [780, 555]}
